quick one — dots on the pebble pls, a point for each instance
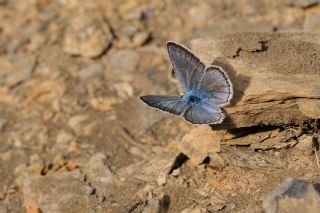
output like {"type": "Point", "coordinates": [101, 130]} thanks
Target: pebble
{"type": "Point", "coordinates": [141, 38]}
{"type": "Point", "coordinates": [87, 35]}
{"type": "Point", "coordinates": [79, 125]}
{"type": "Point", "coordinates": [293, 195]}
{"type": "Point", "coordinates": [91, 71]}
{"type": "Point", "coordinates": [123, 62]}
{"type": "Point", "coordinates": [16, 69]}
{"type": "Point", "coordinates": [305, 144]}
{"type": "Point", "coordinates": [198, 143]}
{"type": "Point", "coordinates": [97, 172]}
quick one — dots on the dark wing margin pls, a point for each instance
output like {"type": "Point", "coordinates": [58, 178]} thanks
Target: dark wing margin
{"type": "Point", "coordinates": [188, 68]}
{"type": "Point", "coordinates": [217, 84]}
{"type": "Point", "coordinates": [171, 104]}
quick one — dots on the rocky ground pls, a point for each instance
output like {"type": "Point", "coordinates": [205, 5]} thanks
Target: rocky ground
{"type": "Point", "coordinates": [75, 138]}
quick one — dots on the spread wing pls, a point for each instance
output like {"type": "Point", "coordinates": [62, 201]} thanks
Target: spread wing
{"type": "Point", "coordinates": [217, 85]}
{"type": "Point", "coordinates": [188, 68]}
{"type": "Point", "coordinates": [172, 104]}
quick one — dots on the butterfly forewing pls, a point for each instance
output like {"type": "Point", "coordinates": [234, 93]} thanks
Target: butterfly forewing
{"type": "Point", "coordinates": [217, 85]}
{"type": "Point", "coordinates": [172, 104]}
{"type": "Point", "coordinates": [188, 68]}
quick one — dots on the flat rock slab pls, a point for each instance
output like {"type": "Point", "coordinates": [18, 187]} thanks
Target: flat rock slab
{"type": "Point", "coordinates": [275, 76]}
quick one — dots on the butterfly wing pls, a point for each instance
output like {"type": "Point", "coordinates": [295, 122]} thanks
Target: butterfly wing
{"type": "Point", "coordinates": [172, 104]}
{"type": "Point", "coordinates": [188, 68]}
{"type": "Point", "coordinates": [217, 86]}
{"type": "Point", "coordinates": [204, 113]}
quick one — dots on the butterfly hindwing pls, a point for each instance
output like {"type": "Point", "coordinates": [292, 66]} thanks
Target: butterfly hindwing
{"type": "Point", "coordinates": [217, 86]}
{"type": "Point", "coordinates": [204, 114]}
{"type": "Point", "coordinates": [188, 68]}
{"type": "Point", "coordinates": [171, 104]}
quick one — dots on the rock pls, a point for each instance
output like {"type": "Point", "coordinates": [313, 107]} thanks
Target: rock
{"type": "Point", "coordinates": [216, 161]}
{"type": "Point", "coordinates": [272, 74]}
{"type": "Point", "coordinates": [22, 37]}
{"type": "Point", "coordinates": [305, 144]}
{"type": "Point", "coordinates": [16, 69]}
{"type": "Point", "coordinates": [3, 123]}
{"type": "Point", "coordinates": [64, 137]}
{"type": "Point", "coordinates": [293, 195]}
{"type": "Point", "coordinates": [312, 22]}
{"type": "Point", "coordinates": [137, 125]}
{"type": "Point", "coordinates": [122, 63]}
{"type": "Point", "coordinates": [124, 90]}
{"type": "Point", "coordinates": [97, 172]}
{"type": "Point", "coordinates": [304, 3]}
{"type": "Point", "coordinates": [91, 71]}
{"type": "Point", "coordinates": [87, 35]}
{"type": "Point", "coordinates": [152, 204]}
{"type": "Point", "coordinates": [78, 124]}
{"type": "Point", "coordinates": [199, 143]}
{"type": "Point", "coordinates": [140, 38]}
{"type": "Point", "coordinates": [60, 192]}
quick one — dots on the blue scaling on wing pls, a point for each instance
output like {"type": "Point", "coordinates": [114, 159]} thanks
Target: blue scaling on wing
{"type": "Point", "coordinates": [217, 85]}
{"type": "Point", "coordinates": [188, 68]}
{"type": "Point", "coordinates": [172, 104]}
{"type": "Point", "coordinates": [203, 113]}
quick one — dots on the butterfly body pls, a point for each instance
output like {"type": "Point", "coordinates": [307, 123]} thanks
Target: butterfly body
{"type": "Point", "coordinates": [205, 89]}
{"type": "Point", "coordinates": [192, 98]}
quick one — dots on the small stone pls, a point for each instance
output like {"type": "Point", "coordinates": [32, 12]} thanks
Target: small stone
{"type": "Point", "coordinates": [91, 71]}
{"type": "Point", "coordinates": [64, 137]}
{"type": "Point", "coordinates": [293, 195]}
{"type": "Point", "coordinates": [176, 172]}
{"type": "Point", "coordinates": [97, 172]}
{"type": "Point", "coordinates": [199, 142]}
{"type": "Point", "coordinates": [16, 69]}
{"type": "Point", "coordinates": [141, 38]}
{"type": "Point", "coordinates": [87, 35]}
{"type": "Point", "coordinates": [162, 179]}
{"type": "Point", "coordinates": [79, 125]}
{"type": "Point", "coordinates": [305, 144]}
{"type": "Point", "coordinates": [122, 62]}
{"type": "Point", "coordinates": [124, 90]}
{"type": "Point", "coordinates": [312, 22]}
{"type": "Point", "coordinates": [216, 161]}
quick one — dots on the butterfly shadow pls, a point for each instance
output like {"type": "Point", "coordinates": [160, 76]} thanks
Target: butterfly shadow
{"type": "Point", "coordinates": [240, 83]}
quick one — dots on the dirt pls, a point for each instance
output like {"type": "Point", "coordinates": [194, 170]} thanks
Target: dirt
{"type": "Point", "coordinates": [74, 137]}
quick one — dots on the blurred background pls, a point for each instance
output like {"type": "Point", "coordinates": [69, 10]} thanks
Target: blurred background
{"type": "Point", "coordinates": [73, 134]}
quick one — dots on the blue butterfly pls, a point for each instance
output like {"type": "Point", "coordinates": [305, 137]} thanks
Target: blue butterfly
{"type": "Point", "coordinates": [205, 89]}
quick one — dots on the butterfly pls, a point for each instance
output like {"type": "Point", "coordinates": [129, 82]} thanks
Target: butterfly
{"type": "Point", "coordinates": [206, 89]}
